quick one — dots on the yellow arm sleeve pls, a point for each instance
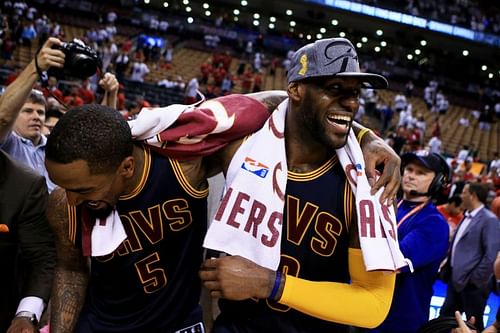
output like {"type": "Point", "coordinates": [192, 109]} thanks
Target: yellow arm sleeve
{"type": "Point", "coordinates": [363, 303]}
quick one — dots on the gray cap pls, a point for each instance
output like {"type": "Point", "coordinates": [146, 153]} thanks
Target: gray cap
{"type": "Point", "coordinates": [331, 57]}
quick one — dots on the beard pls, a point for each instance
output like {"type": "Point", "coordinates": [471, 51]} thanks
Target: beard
{"type": "Point", "coordinates": [315, 123]}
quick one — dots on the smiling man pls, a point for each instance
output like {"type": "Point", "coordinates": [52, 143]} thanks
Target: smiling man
{"type": "Point", "coordinates": [320, 250]}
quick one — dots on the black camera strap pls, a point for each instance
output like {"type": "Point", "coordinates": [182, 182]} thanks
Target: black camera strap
{"type": "Point", "coordinates": [43, 76]}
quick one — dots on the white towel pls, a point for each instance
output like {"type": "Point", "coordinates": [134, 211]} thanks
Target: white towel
{"type": "Point", "coordinates": [256, 184]}
{"type": "Point", "coordinates": [101, 236]}
{"type": "Point", "coordinates": [152, 121]}
{"type": "Point", "coordinates": [106, 238]}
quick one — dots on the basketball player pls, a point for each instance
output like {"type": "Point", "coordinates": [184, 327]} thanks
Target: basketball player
{"type": "Point", "coordinates": [320, 251]}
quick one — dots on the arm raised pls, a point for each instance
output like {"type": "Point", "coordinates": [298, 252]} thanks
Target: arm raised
{"type": "Point", "coordinates": [15, 95]}
{"type": "Point", "coordinates": [110, 85]}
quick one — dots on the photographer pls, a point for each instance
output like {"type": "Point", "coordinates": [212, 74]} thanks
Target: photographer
{"type": "Point", "coordinates": [22, 109]}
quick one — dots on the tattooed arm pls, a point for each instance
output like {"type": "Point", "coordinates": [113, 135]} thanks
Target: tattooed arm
{"type": "Point", "coordinates": [378, 153]}
{"type": "Point", "coordinates": [71, 275]}
{"type": "Point", "coordinates": [219, 161]}
{"type": "Point", "coordinates": [270, 98]}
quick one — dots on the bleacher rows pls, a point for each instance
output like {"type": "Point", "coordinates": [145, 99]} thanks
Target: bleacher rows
{"type": "Point", "coordinates": [187, 62]}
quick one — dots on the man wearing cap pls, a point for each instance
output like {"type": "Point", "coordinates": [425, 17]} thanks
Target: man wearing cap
{"type": "Point", "coordinates": [320, 255]}
{"type": "Point", "coordinates": [423, 238]}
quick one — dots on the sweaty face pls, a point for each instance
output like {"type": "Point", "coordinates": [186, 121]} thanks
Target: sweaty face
{"type": "Point", "coordinates": [417, 178]}
{"type": "Point", "coordinates": [30, 121]}
{"type": "Point", "coordinates": [328, 108]}
{"type": "Point", "coordinates": [98, 192]}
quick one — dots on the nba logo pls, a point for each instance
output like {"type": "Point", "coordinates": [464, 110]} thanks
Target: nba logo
{"type": "Point", "coordinates": [255, 167]}
{"type": "Point", "coordinates": [359, 169]}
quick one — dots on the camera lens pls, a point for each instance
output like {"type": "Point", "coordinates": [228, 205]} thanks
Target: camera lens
{"type": "Point", "coordinates": [84, 65]}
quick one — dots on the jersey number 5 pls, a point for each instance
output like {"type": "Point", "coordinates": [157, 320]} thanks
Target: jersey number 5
{"type": "Point", "coordinates": [151, 273]}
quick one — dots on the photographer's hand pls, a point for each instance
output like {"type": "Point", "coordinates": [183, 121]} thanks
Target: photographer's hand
{"type": "Point", "coordinates": [110, 85]}
{"type": "Point", "coordinates": [50, 57]}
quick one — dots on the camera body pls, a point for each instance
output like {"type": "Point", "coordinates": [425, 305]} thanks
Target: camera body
{"type": "Point", "coordinates": [80, 62]}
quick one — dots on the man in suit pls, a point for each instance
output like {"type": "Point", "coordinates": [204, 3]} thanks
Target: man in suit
{"type": "Point", "coordinates": [473, 252]}
{"type": "Point", "coordinates": [27, 251]}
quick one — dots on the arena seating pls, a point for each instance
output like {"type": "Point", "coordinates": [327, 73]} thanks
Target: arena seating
{"type": "Point", "coordinates": [187, 59]}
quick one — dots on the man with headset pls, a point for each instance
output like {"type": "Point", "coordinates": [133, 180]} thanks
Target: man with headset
{"type": "Point", "coordinates": [423, 238]}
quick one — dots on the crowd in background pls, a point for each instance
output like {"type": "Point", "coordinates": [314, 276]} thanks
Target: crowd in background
{"type": "Point", "coordinates": [475, 15]}
{"type": "Point", "coordinates": [395, 120]}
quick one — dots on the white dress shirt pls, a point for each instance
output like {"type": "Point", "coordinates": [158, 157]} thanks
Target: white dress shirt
{"type": "Point", "coordinates": [461, 229]}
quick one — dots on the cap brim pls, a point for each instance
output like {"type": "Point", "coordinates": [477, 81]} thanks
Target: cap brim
{"type": "Point", "coordinates": [369, 80]}
{"type": "Point", "coordinates": [408, 157]}
{"type": "Point", "coordinates": [411, 157]}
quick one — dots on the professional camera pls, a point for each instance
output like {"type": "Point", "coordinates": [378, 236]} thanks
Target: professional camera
{"type": "Point", "coordinates": [80, 62]}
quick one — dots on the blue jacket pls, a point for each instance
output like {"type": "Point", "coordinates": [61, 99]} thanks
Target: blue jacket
{"type": "Point", "coordinates": [423, 238]}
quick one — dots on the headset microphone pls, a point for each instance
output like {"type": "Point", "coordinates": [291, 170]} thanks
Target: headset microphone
{"type": "Point", "coordinates": [413, 192]}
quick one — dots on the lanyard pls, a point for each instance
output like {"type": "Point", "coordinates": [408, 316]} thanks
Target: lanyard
{"type": "Point", "coordinates": [415, 210]}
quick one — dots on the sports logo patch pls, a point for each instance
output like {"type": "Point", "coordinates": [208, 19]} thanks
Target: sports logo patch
{"type": "Point", "coordinates": [359, 169]}
{"type": "Point", "coordinates": [255, 167]}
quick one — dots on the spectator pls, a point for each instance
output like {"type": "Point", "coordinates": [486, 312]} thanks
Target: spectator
{"type": "Point", "coordinates": [486, 119]}
{"type": "Point", "coordinates": [73, 98]}
{"type": "Point", "coordinates": [52, 89]}
{"type": "Point", "coordinates": [28, 34]}
{"type": "Point", "coordinates": [206, 69]}
{"type": "Point", "coordinates": [21, 135]}
{"type": "Point", "coordinates": [257, 82]}
{"type": "Point", "coordinates": [27, 249]}
{"type": "Point", "coordinates": [51, 118]}
{"type": "Point", "coordinates": [463, 153]}
{"type": "Point", "coordinates": [442, 103]}
{"type": "Point", "coordinates": [452, 212]}
{"type": "Point", "coordinates": [246, 81]}
{"type": "Point", "coordinates": [191, 93]}
{"type": "Point", "coordinates": [473, 251]}
{"type": "Point", "coordinates": [435, 144]}
{"type": "Point", "coordinates": [121, 63]}
{"type": "Point", "coordinates": [227, 84]}
{"type": "Point", "coordinates": [86, 92]}
{"type": "Point", "coordinates": [138, 71]}
{"type": "Point", "coordinates": [400, 102]}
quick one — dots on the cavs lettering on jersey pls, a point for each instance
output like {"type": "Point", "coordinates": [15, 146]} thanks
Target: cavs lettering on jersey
{"type": "Point", "coordinates": [150, 283]}
{"type": "Point", "coordinates": [319, 209]}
